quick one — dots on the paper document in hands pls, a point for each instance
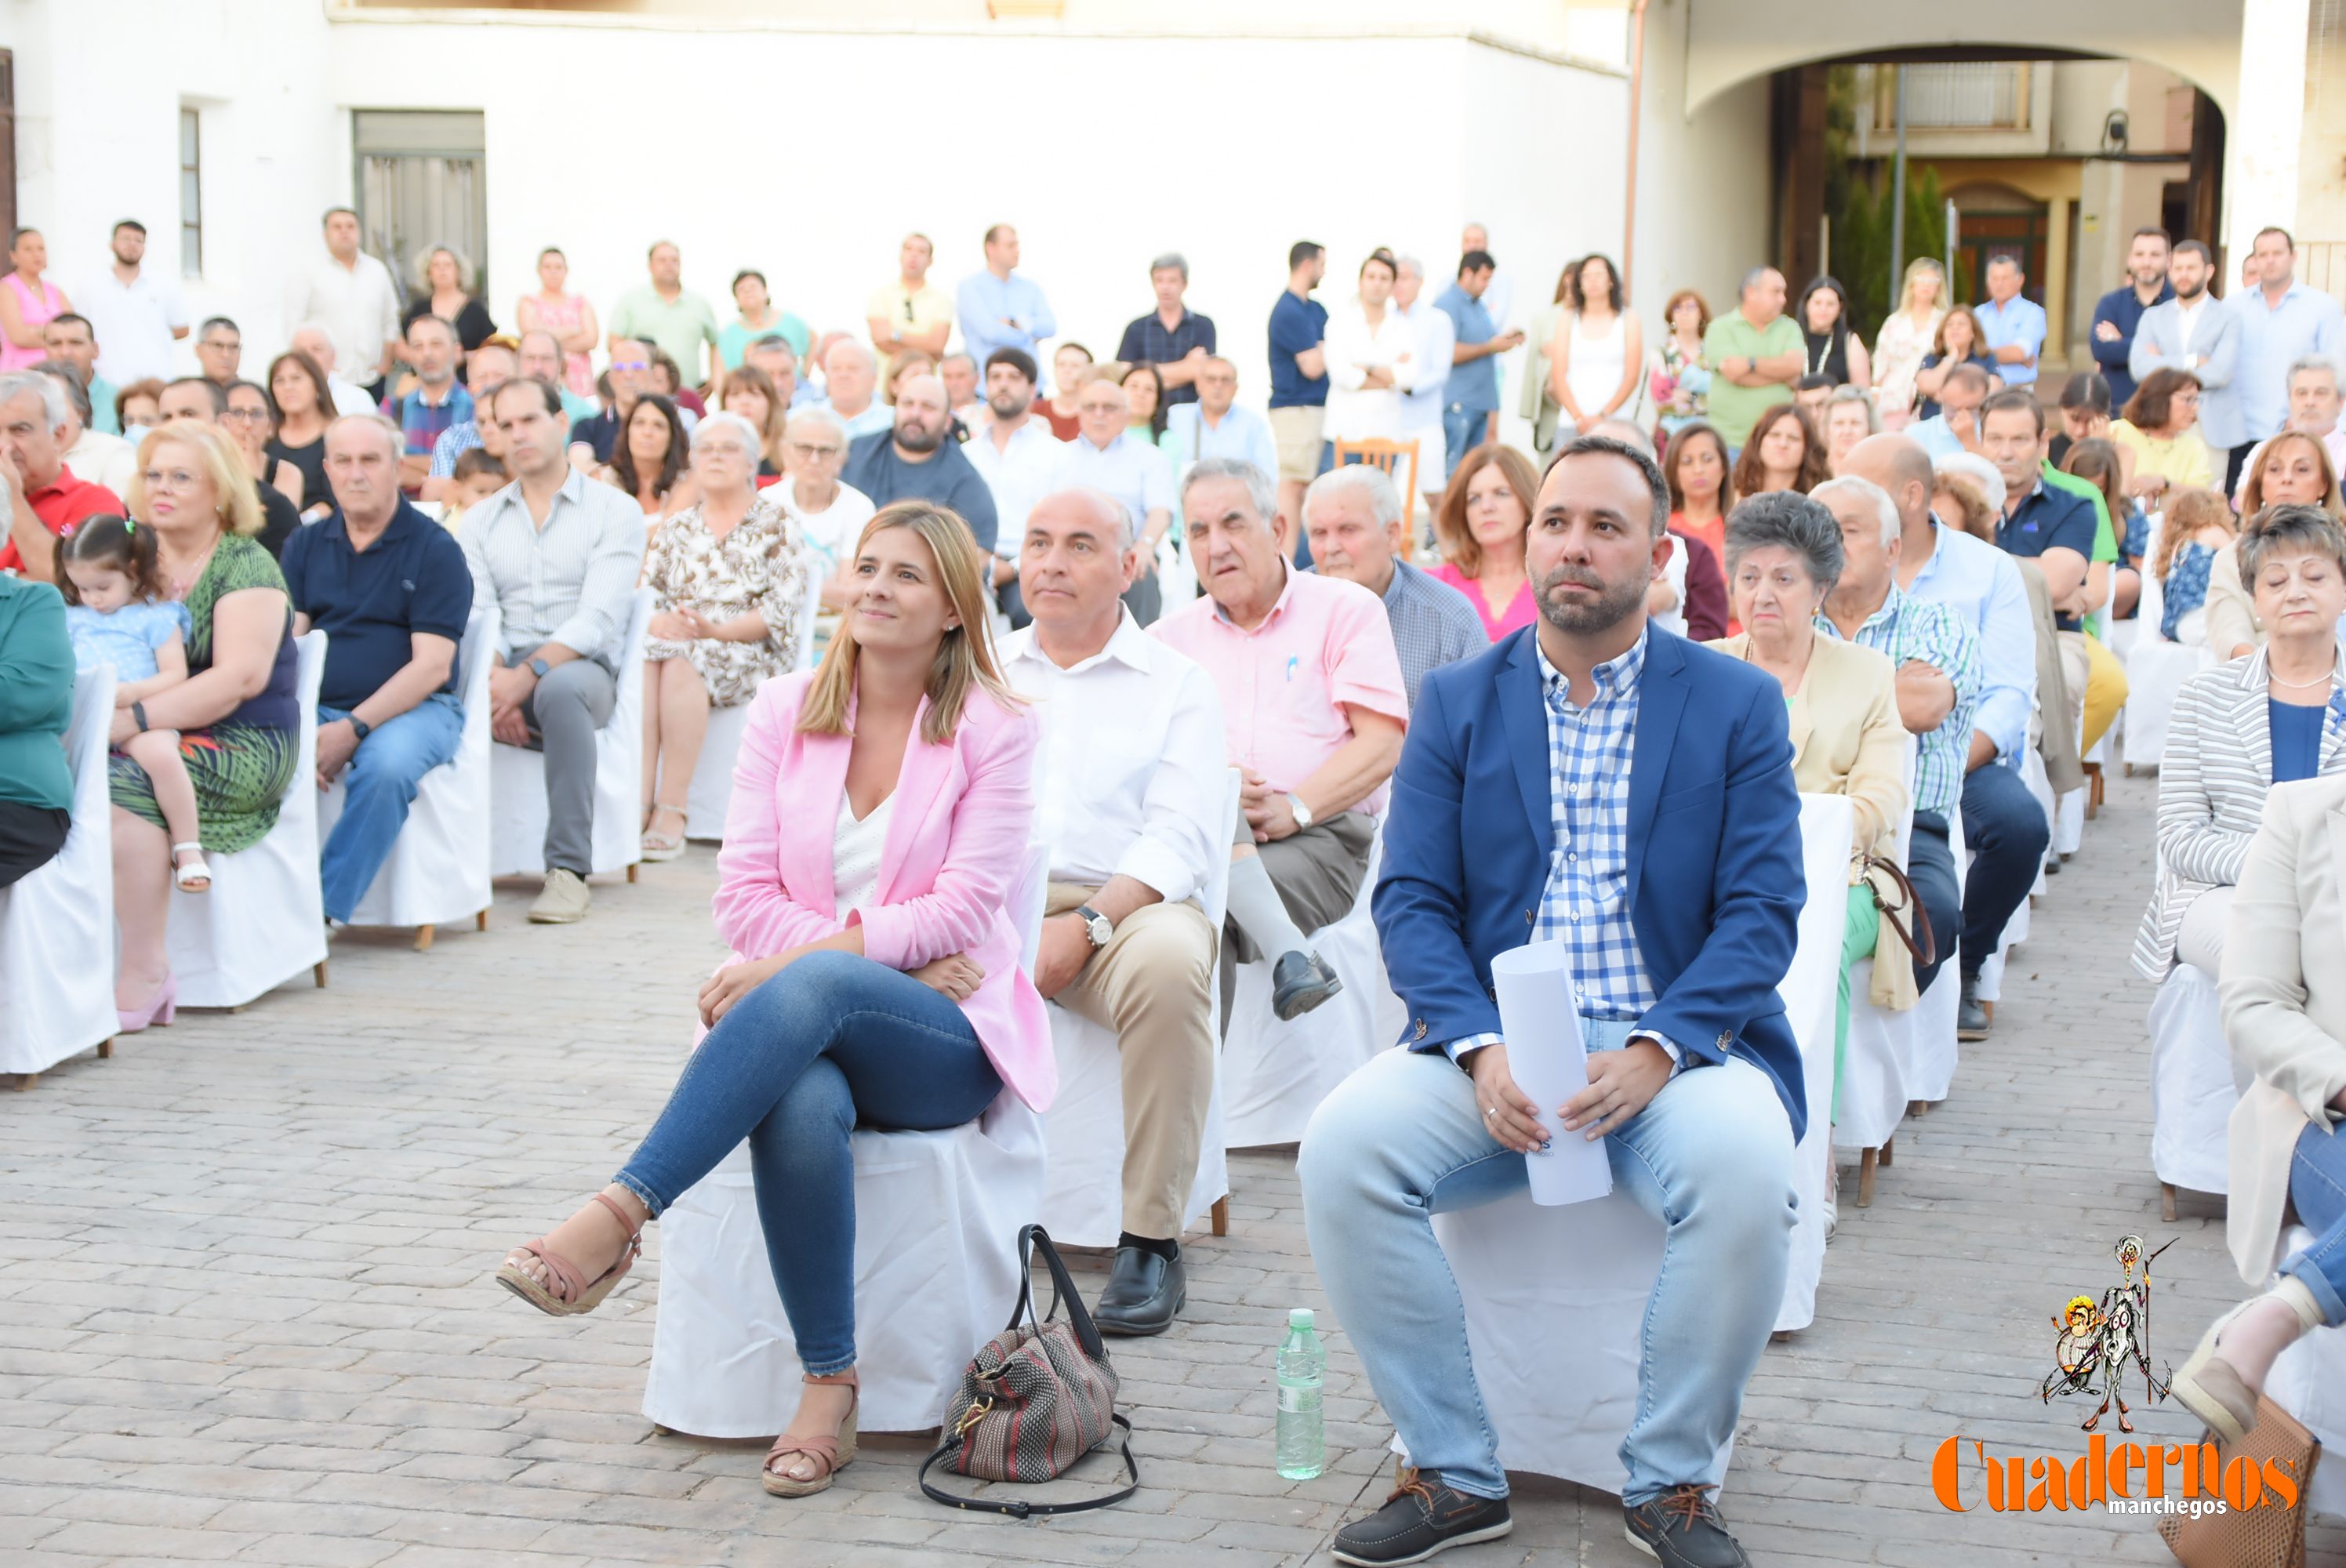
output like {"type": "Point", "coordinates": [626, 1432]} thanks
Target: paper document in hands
{"type": "Point", "coordinates": [1540, 1021]}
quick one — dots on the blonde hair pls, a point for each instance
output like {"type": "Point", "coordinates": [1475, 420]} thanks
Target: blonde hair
{"type": "Point", "coordinates": [1915, 269]}
{"type": "Point", "coordinates": [238, 509]}
{"type": "Point", "coordinates": [2187, 512]}
{"type": "Point", "coordinates": [965, 661]}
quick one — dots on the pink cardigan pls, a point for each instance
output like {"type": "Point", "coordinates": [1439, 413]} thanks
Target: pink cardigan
{"type": "Point", "coordinates": [956, 846]}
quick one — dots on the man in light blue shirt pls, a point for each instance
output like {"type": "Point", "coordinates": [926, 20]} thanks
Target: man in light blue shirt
{"type": "Point", "coordinates": [1105, 455]}
{"type": "Point", "coordinates": [999, 309]}
{"type": "Point", "coordinates": [1470, 414]}
{"type": "Point", "coordinates": [2004, 826]}
{"type": "Point", "coordinates": [2284, 322]}
{"type": "Point", "coordinates": [1215, 426]}
{"type": "Point", "coordinates": [2012, 326]}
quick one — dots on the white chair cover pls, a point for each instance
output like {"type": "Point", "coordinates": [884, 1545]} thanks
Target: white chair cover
{"type": "Point", "coordinates": [517, 791]}
{"type": "Point", "coordinates": [2191, 1088]}
{"type": "Point", "coordinates": [1673, 618]}
{"type": "Point", "coordinates": [57, 925]}
{"type": "Point", "coordinates": [936, 1223]}
{"type": "Point", "coordinates": [264, 920]}
{"type": "Point", "coordinates": [2015, 930]}
{"type": "Point", "coordinates": [1082, 1199]}
{"type": "Point", "coordinates": [712, 776]}
{"type": "Point", "coordinates": [2308, 1381]}
{"type": "Point", "coordinates": [1809, 992]}
{"type": "Point", "coordinates": [1925, 1033]}
{"type": "Point", "coordinates": [1275, 1074]}
{"type": "Point", "coordinates": [438, 869]}
{"type": "Point", "coordinates": [1177, 581]}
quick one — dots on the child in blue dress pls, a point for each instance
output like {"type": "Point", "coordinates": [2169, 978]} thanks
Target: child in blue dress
{"type": "Point", "coordinates": [118, 612]}
{"type": "Point", "coordinates": [2199, 524]}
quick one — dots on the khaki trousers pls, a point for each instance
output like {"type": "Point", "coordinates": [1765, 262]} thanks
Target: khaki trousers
{"type": "Point", "coordinates": [1149, 985]}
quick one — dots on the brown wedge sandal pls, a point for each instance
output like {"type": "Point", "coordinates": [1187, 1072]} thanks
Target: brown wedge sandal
{"type": "Point", "coordinates": [834, 1453]}
{"type": "Point", "coordinates": [572, 1293]}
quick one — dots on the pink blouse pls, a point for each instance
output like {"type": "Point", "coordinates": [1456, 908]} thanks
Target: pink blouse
{"type": "Point", "coordinates": [37, 313]}
{"type": "Point", "coordinates": [1522, 610]}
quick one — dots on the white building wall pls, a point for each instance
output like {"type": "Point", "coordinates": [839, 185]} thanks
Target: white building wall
{"type": "Point", "coordinates": [788, 150]}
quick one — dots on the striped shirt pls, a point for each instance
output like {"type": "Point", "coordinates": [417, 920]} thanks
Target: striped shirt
{"type": "Point", "coordinates": [571, 581]}
{"type": "Point", "coordinates": [1908, 629]}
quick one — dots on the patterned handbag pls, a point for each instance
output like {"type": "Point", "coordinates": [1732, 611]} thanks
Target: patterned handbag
{"type": "Point", "coordinates": [1036, 1397]}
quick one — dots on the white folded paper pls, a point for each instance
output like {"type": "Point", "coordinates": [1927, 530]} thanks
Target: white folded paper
{"type": "Point", "coordinates": [1540, 1018]}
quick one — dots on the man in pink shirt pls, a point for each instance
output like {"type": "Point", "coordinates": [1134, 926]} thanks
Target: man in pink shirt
{"type": "Point", "coordinates": [1314, 711]}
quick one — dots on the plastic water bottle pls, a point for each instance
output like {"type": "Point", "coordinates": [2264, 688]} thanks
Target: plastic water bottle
{"type": "Point", "coordinates": [1303, 1440]}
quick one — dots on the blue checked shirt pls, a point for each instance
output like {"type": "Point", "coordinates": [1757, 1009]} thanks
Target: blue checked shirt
{"type": "Point", "coordinates": [1906, 630]}
{"type": "Point", "coordinates": [1586, 898]}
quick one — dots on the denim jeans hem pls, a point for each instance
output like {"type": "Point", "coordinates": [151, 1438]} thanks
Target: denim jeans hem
{"type": "Point", "coordinates": [2304, 1269]}
{"type": "Point", "coordinates": [653, 1204]}
{"type": "Point", "coordinates": [811, 1370]}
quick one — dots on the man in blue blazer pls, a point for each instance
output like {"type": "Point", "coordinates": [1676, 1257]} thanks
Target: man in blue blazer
{"type": "Point", "coordinates": [1599, 780]}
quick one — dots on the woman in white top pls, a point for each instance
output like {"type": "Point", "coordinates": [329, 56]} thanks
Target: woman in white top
{"type": "Point", "coordinates": [1599, 351]}
{"type": "Point", "coordinates": [1905, 337]}
{"type": "Point", "coordinates": [1371, 357]}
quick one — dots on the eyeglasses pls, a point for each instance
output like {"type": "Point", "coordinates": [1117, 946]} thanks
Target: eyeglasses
{"type": "Point", "coordinates": [229, 344]}
{"type": "Point", "coordinates": [170, 478]}
{"type": "Point", "coordinates": [631, 364]}
{"type": "Point", "coordinates": [805, 449]}
{"type": "Point", "coordinates": [246, 414]}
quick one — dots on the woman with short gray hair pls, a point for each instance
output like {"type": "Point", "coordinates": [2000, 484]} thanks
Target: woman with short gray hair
{"type": "Point", "coordinates": [729, 575]}
{"type": "Point", "coordinates": [2225, 750]}
{"type": "Point", "coordinates": [1783, 557]}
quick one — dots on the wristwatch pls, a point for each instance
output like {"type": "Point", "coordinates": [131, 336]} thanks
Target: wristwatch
{"type": "Point", "coordinates": [538, 666]}
{"type": "Point", "coordinates": [1095, 926]}
{"type": "Point", "coordinates": [1303, 813]}
{"type": "Point", "coordinates": [359, 727]}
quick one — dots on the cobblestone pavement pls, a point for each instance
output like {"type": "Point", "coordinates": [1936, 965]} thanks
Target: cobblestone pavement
{"type": "Point", "coordinates": [245, 1312]}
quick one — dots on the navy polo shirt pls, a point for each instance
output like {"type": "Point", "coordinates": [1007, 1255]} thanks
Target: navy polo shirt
{"type": "Point", "coordinates": [2049, 519]}
{"type": "Point", "coordinates": [368, 603]}
{"type": "Point", "coordinates": [1296, 325]}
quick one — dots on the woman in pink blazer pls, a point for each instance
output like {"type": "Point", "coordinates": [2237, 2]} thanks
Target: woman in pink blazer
{"type": "Point", "coordinates": [881, 812]}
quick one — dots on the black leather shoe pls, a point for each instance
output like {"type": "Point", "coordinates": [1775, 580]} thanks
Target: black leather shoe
{"type": "Point", "coordinates": [1682, 1529]}
{"type": "Point", "coordinates": [1970, 1018]}
{"type": "Point", "coordinates": [1300, 981]}
{"type": "Point", "coordinates": [1422, 1518]}
{"type": "Point", "coordinates": [1143, 1291]}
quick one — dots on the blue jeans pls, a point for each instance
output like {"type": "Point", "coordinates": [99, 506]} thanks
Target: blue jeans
{"type": "Point", "coordinates": [379, 785]}
{"type": "Point", "coordinates": [1462, 432]}
{"type": "Point", "coordinates": [830, 1042]}
{"type": "Point", "coordinates": [1931, 866]}
{"type": "Point", "coordinates": [1710, 1156]}
{"type": "Point", "coordinates": [2317, 1185]}
{"type": "Point", "coordinates": [2005, 827]}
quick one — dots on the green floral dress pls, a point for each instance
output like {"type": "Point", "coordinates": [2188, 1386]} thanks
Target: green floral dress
{"type": "Point", "coordinates": [240, 765]}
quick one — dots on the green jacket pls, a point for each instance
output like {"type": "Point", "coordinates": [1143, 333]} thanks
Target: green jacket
{"type": "Point", "coordinates": [37, 682]}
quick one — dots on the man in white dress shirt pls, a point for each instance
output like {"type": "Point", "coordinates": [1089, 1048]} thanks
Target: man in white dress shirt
{"type": "Point", "coordinates": [350, 294]}
{"type": "Point", "coordinates": [311, 339]}
{"type": "Point", "coordinates": [1130, 789]}
{"type": "Point", "coordinates": [1017, 456]}
{"type": "Point", "coordinates": [1422, 404]}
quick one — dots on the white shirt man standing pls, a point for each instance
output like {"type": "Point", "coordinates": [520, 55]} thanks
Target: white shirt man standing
{"type": "Point", "coordinates": [1421, 405]}
{"type": "Point", "coordinates": [134, 315]}
{"type": "Point", "coordinates": [1129, 787]}
{"type": "Point", "coordinates": [350, 294]}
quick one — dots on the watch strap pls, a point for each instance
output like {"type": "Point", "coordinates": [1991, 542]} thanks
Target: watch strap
{"type": "Point", "coordinates": [536, 667]}
{"type": "Point", "coordinates": [359, 727]}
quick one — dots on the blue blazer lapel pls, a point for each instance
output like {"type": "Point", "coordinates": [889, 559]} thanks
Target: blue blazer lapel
{"type": "Point", "coordinates": [1523, 710]}
{"type": "Point", "coordinates": [1661, 700]}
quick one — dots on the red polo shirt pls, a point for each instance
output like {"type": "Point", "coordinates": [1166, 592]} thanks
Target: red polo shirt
{"type": "Point", "coordinates": [60, 506]}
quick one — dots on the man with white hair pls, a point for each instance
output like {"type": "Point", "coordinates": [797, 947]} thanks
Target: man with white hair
{"type": "Point", "coordinates": [1216, 426]}
{"type": "Point", "coordinates": [1105, 455]}
{"type": "Point", "coordinates": [850, 377]}
{"type": "Point", "coordinates": [1173, 337]}
{"type": "Point", "coordinates": [1937, 657]}
{"type": "Point", "coordinates": [43, 495]}
{"type": "Point", "coordinates": [1425, 399]}
{"type": "Point", "coordinates": [89, 451]}
{"type": "Point", "coordinates": [2313, 400]}
{"type": "Point", "coordinates": [1313, 714]}
{"type": "Point", "coordinates": [312, 339]}
{"type": "Point", "coordinates": [391, 590]}
{"type": "Point", "coordinates": [1353, 517]}
{"type": "Point", "coordinates": [1129, 792]}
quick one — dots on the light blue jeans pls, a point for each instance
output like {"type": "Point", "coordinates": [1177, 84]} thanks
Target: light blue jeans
{"type": "Point", "coordinates": [1710, 1156]}
{"type": "Point", "coordinates": [2317, 1183]}
{"type": "Point", "coordinates": [379, 785]}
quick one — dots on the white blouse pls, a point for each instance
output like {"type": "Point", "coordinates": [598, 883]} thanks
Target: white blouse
{"type": "Point", "coordinates": [855, 854]}
{"type": "Point", "coordinates": [1354, 348]}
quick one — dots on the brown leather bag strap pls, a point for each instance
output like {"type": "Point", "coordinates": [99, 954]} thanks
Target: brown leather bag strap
{"type": "Point", "coordinates": [1924, 950]}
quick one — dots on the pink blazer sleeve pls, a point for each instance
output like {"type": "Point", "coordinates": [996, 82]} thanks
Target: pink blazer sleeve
{"type": "Point", "coordinates": [988, 848]}
{"type": "Point", "coordinates": [756, 914]}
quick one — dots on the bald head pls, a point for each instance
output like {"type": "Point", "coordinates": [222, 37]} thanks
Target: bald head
{"type": "Point", "coordinates": [1901, 468]}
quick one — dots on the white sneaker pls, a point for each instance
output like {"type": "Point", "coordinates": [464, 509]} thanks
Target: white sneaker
{"type": "Point", "coordinates": [563, 901]}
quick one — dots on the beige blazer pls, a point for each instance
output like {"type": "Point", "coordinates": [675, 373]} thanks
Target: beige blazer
{"type": "Point", "coordinates": [1847, 740]}
{"type": "Point", "coordinates": [2284, 994]}
{"type": "Point", "coordinates": [2231, 612]}
{"type": "Point", "coordinates": [2056, 740]}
